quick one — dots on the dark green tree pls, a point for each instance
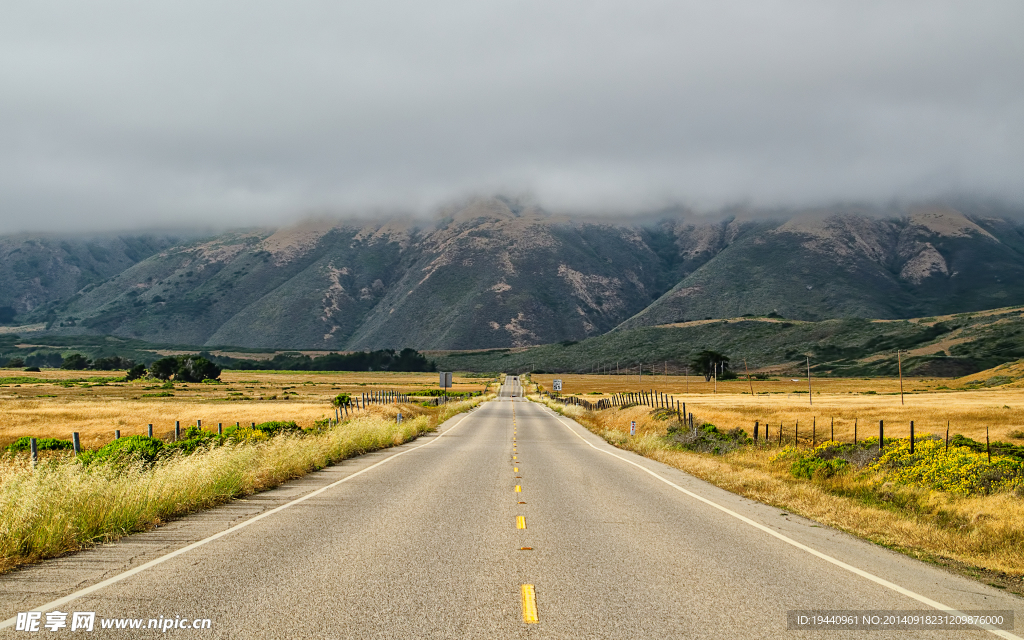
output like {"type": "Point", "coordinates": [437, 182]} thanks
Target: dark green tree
{"type": "Point", "coordinates": [136, 372]}
{"type": "Point", "coordinates": [196, 369]}
{"type": "Point", "coordinates": [708, 361]}
{"type": "Point", "coordinates": [164, 368]}
{"type": "Point", "coordinates": [75, 362]}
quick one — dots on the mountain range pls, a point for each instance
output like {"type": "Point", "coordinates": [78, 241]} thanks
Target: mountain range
{"type": "Point", "coordinates": [496, 273]}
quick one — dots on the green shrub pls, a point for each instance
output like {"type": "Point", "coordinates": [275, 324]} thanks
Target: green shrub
{"type": "Point", "coordinates": [129, 449]}
{"type": "Point", "coordinates": [42, 444]}
{"type": "Point", "coordinates": [814, 468]}
{"type": "Point", "coordinates": [341, 399]}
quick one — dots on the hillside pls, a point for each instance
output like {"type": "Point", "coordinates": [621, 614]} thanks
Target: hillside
{"type": "Point", "coordinates": [847, 264]}
{"type": "Point", "coordinates": [496, 274]}
{"type": "Point", "coordinates": [936, 346]}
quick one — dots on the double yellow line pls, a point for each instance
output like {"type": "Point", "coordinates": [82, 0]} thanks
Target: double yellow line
{"type": "Point", "coordinates": [529, 593]}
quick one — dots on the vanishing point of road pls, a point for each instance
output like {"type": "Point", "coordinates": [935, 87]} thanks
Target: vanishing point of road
{"type": "Point", "coordinates": [510, 522]}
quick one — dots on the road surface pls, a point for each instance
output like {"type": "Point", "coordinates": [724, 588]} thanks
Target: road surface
{"type": "Point", "coordinates": [512, 523]}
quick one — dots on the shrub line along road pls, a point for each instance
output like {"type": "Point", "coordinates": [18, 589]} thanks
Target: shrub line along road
{"type": "Point", "coordinates": [434, 540]}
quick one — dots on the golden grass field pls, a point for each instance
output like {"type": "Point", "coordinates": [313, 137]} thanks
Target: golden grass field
{"type": "Point", "coordinates": [50, 410]}
{"type": "Point", "coordinates": [930, 403]}
{"type": "Point", "coordinates": [981, 536]}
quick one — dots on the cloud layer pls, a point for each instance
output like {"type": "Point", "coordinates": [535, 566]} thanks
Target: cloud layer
{"type": "Point", "coordinates": [125, 114]}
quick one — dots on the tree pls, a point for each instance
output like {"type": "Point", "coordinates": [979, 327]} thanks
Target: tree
{"type": "Point", "coordinates": [136, 372]}
{"type": "Point", "coordinates": [708, 361]}
{"type": "Point", "coordinates": [196, 369]}
{"type": "Point", "coordinates": [75, 362]}
{"type": "Point", "coordinates": [15, 363]}
{"type": "Point", "coordinates": [164, 368]}
{"type": "Point", "coordinates": [112, 363]}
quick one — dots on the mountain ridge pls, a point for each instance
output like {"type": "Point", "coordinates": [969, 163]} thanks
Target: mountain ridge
{"type": "Point", "coordinates": [494, 272]}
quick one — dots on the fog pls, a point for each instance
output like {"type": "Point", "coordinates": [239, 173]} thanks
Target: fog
{"type": "Point", "coordinates": [120, 115]}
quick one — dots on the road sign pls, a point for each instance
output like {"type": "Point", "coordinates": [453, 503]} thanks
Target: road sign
{"type": "Point", "coordinates": [446, 379]}
{"type": "Point", "coordinates": [557, 385]}
{"type": "Point", "coordinates": [632, 427]}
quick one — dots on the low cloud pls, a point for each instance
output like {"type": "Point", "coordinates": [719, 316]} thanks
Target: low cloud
{"type": "Point", "coordinates": [124, 115]}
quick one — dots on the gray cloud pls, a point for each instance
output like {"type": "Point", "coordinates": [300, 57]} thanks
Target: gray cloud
{"type": "Point", "coordinates": [126, 114]}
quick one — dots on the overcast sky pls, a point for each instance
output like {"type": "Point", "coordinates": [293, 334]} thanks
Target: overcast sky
{"type": "Point", "coordinates": [127, 114]}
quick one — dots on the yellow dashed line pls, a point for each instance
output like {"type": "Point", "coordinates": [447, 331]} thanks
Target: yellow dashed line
{"type": "Point", "coordinates": [515, 469]}
{"type": "Point", "coordinates": [529, 604]}
{"type": "Point", "coordinates": [520, 522]}
{"type": "Point", "coordinates": [519, 488]}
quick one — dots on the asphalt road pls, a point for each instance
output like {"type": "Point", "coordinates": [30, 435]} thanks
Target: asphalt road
{"type": "Point", "coordinates": [433, 540]}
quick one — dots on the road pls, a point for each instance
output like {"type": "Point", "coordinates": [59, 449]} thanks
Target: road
{"type": "Point", "coordinates": [512, 523]}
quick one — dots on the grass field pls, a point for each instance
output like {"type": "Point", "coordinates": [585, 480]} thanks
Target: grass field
{"type": "Point", "coordinates": [979, 535]}
{"type": "Point", "coordinates": [930, 403]}
{"type": "Point", "coordinates": [54, 403]}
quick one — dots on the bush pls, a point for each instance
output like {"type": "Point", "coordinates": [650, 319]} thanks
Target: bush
{"type": "Point", "coordinates": [33, 369]}
{"type": "Point", "coordinates": [193, 438]}
{"type": "Point", "coordinates": [264, 429]}
{"type": "Point", "coordinates": [959, 470]}
{"type": "Point", "coordinates": [75, 362]}
{"type": "Point", "coordinates": [813, 468]}
{"type": "Point", "coordinates": [708, 438]}
{"type": "Point", "coordinates": [129, 449]}
{"type": "Point", "coordinates": [341, 399]}
{"type": "Point", "coordinates": [42, 444]}
{"type": "Point", "coordinates": [136, 372]}
{"type": "Point", "coordinates": [15, 363]}
{"type": "Point", "coordinates": [187, 368]}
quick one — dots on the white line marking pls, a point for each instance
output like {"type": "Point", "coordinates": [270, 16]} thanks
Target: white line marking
{"type": "Point", "coordinates": [839, 563]}
{"type": "Point", "coordinates": [50, 606]}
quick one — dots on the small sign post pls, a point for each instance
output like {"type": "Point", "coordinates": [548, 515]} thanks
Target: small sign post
{"type": "Point", "coordinates": [557, 385]}
{"type": "Point", "coordinates": [632, 427]}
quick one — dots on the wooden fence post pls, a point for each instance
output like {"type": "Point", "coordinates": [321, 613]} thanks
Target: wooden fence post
{"type": "Point", "coordinates": [832, 438]}
{"type": "Point", "coordinates": [755, 431]}
{"type": "Point", "coordinates": [881, 435]}
{"type": "Point", "coordinates": [911, 436]}
{"type": "Point", "coordinates": [34, 449]}
{"type": "Point", "coordinates": [177, 430]}
{"type": "Point", "coordinates": [151, 430]}
{"type": "Point", "coordinates": [947, 436]}
{"type": "Point", "coordinates": [814, 432]}
{"type": "Point", "coordinates": [76, 443]}
{"type": "Point", "coordinates": [988, 450]}
{"type": "Point", "coordinates": [117, 434]}
{"type": "Point", "coordinates": [220, 428]}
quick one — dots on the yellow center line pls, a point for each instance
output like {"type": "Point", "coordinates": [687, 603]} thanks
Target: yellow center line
{"type": "Point", "coordinates": [529, 604]}
{"type": "Point", "coordinates": [515, 469]}
{"type": "Point", "coordinates": [519, 488]}
{"type": "Point", "coordinates": [520, 522]}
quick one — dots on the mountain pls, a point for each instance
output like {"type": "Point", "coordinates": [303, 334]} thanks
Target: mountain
{"type": "Point", "coordinates": [937, 346]}
{"type": "Point", "coordinates": [36, 271]}
{"type": "Point", "coordinates": [496, 273]}
{"type": "Point", "coordinates": [821, 264]}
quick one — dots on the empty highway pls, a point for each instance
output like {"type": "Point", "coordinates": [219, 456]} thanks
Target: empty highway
{"type": "Point", "coordinates": [512, 522]}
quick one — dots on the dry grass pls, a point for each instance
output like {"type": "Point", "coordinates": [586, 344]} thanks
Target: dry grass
{"type": "Point", "coordinates": [984, 532]}
{"type": "Point", "coordinates": [49, 410]}
{"type": "Point", "coordinates": [61, 505]}
{"type": "Point", "coordinates": [844, 400]}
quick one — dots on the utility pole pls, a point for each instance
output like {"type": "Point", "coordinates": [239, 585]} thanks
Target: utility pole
{"type": "Point", "coordinates": [640, 376]}
{"type": "Point", "coordinates": [899, 364]}
{"type": "Point", "coordinates": [686, 375]}
{"type": "Point", "coordinates": [810, 394]}
{"type": "Point", "coordinates": [714, 372]}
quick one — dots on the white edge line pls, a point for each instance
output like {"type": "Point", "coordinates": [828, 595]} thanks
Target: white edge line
{"type": "Point", "coordinates": [839, 563]}
{"type": "Point", "coordinates": [49, 606]}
